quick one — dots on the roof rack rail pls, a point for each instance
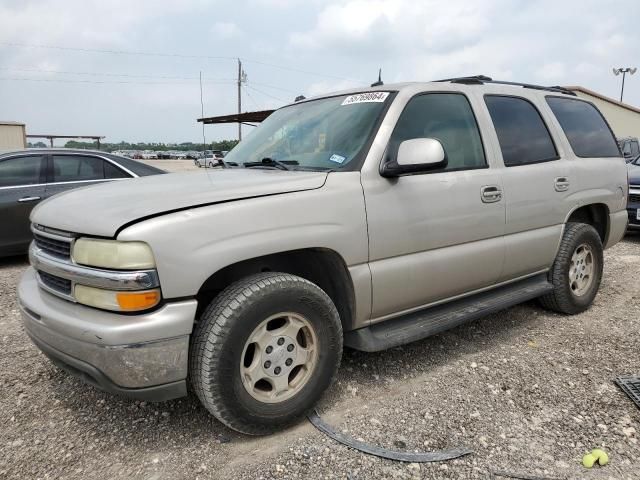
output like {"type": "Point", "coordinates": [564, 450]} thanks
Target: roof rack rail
{"type": "Point", "coordinates": [471, 80]}
{"type": "Point", "coordinates": [482, 79]}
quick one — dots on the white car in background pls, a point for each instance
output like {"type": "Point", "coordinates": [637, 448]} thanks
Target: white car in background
{"type": "Point", "coordinates": [214, 160]}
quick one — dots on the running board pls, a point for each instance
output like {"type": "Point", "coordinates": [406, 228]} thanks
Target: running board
{"type": "Point", "coordinates": [424, 323]}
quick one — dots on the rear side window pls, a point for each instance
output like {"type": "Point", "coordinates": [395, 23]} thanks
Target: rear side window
{"type": "Point", "coordinates": [19, 171]}
{"type": "Point", "coordinates": [75, 168]}
{"type": "Point", "coordinates": [447, 117]}
{"type": "Point", "coordinates": [111, 171]}
{"type": "Point", "coordinates": [523, 135]}
{"type": "Point", "coordinates": [585, 128]}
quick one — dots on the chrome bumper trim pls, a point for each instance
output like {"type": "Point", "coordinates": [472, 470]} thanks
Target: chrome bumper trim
{"type": "Point", "coordinates": [92, 277]}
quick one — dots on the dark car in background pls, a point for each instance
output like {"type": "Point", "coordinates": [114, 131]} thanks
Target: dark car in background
{"type": "Point", "coordinates": [29, 176]}
{"type": "Point", "coordinates": [633, 204]}
{"type": "Point", "coordinates": [630, 148]}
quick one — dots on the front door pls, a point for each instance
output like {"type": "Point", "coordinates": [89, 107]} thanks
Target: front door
{"type": "Point", "coordinates": [437, 235]}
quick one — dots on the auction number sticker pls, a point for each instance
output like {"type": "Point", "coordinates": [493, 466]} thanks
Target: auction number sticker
{"type": "Point", "coordinates": [366, 97]}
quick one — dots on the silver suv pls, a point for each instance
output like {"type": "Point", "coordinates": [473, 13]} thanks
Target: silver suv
{"type": "Point", "coordinates": [367, 218]}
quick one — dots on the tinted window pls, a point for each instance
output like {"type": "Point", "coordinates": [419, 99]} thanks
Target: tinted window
{"type": "Point", "coordinates": [20, 171]}
{"type": "Point", "coordinates": [447, 117]}
{"type": "Point", "coordinates": [584, 126]}
{"type": "Point", "coordinates": [522, 134]}
{"type": "Point", "coordinates": [74, 168]}
{"type": "Point", "coordinates": [111, 171]}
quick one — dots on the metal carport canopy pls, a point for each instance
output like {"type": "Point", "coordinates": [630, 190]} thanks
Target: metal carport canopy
{"type": "Point", "coordinates": [246, 117]}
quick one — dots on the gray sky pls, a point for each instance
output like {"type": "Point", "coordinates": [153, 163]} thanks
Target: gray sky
{"type": "Point", "coordinates": [288, 47]}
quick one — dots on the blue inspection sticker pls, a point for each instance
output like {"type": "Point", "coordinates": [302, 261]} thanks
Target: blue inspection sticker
{"type": "Point", "coordinates": [337, 158]}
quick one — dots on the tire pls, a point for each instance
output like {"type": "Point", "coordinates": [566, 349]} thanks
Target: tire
{"type": "Point", "coordinates": [220, 348]}
{"type": "Point", "coordinates": [210, 165]}
{"type": "Point", "coordinates": [566, 297]}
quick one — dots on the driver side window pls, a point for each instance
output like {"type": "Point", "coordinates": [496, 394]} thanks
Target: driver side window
{"type": "Point", "coordinates": [447, 117]}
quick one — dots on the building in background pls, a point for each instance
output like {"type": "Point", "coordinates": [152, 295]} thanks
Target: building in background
{"type": "Point", "coordinates": [12, 135]}
{"type": "Point", "coordinates": [624, 119]}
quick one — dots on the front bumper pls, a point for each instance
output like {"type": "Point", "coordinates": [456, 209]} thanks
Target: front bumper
{"type": "Point", "coordinates": [632, 212]}
{"type": "Point", "coordinates": [143, 356]}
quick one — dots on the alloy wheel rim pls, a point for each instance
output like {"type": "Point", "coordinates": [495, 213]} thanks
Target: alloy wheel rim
{"type": "Point", "coordinates": [581, 270]}
{"type": "Point", "coordinates": [279, 357]}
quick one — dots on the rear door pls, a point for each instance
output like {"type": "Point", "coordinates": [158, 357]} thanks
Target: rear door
{"type": "Point", "coordinates": [536, 181]}
{"type": "Point", "coordinates": [67, 171]}
{"type": "Point", "coordinates": [22, 180]}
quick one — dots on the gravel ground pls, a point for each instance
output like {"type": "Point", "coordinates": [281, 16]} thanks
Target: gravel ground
{"type": "Point", "coordinates": [530, 392]}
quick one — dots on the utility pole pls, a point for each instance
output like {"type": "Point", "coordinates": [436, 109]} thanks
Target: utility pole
{"type": "Point", "coordinates": [242, 78]}
{"type": "Point", "coordinates": [623, 71]}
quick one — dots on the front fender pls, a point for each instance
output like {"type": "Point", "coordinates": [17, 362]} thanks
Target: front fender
{"type": "Point", "coordinates": [191, 245]}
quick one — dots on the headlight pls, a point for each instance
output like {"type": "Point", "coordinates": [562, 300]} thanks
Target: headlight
{"type": "Point", "coordinates": [117, 301]}
{"type": "Point", "coordinates": [94, 252]}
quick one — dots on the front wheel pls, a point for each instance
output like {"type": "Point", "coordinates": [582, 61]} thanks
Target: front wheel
{"type": "Point", "coordinates": [577, 270]}
{"type": "Point", "coordinates": [264, 351]}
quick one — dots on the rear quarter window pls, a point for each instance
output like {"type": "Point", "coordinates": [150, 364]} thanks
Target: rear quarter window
{"type": "Point", "coordinates": [585, 127]}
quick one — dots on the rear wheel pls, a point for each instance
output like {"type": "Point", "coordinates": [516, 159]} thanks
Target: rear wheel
{"type": "Point", "coordinates": [264, 351]}
{"type": "Point", "coordinates": [577, 270]}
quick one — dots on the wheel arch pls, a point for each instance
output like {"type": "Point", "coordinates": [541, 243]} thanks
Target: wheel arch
{"type": "Point", "coordinates": [321, 266]}
{"type": "Point", "coordinates": [594, 214]}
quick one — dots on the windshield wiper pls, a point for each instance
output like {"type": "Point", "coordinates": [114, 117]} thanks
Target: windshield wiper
{"type": "Point", "coordinates": [271, 162]}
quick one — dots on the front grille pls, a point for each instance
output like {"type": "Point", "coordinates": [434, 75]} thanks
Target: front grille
{"type": "Point", "coordinates": [634, 198]}
{"type": "Point", "coordinates": [59, 248]}
{"type": "Point", "coordinates": [58, 284]}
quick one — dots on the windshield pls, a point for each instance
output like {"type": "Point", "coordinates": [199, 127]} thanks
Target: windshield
{"type": "Point", "coordinates": [325, 134]}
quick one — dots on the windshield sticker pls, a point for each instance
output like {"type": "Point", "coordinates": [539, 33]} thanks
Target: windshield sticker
{"type": "Point", "coordinates": [366, 98]}
{"type": "Point", "coordinates": [337, 158]}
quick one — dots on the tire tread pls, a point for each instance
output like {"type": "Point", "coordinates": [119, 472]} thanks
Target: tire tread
{"type": "Point", "coordinates": [213, 328]}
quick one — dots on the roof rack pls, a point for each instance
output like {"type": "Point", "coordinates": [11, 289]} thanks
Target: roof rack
{"type": "Point", "coordinates": [482, 79]}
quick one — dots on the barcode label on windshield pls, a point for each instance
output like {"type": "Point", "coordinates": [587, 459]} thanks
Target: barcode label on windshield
{"type": "Point", "coordinates": [366, 98]}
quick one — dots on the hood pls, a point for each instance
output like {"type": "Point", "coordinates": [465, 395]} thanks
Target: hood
{"type": "Point", "coordinates": [634, 174]}
{"type": "Point", "coordinates": [102, 209]}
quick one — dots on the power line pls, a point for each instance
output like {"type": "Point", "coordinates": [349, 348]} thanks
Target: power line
{"type": "Point", "coordinates": [105, 74]}
{"type": "Point", "coordinates": [176, 55]}
{"type": "Point", "coordinates": [102, 82]}
{"type": "Point", "coordinates": [275, 88]}
{"type": "Point", "coordinates": [115, 52]}
{"type": "Point", "coordinates": [298, 70]}
{"type": "Point", "coordinates": [266, 94]}
{"type": "Point", "coordinates": [255, 104]}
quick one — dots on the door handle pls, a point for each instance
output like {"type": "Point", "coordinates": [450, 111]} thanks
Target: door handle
{"type": "Point", "coordinates": [28, 199]}
{"type": "Point", "coordinates": [561, 184]}
{"type": "Point", "coordinates": [491, 193]}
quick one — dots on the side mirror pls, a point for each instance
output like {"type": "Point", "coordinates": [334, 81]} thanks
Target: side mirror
{"type": "Point", "coordinates": [416, 156]}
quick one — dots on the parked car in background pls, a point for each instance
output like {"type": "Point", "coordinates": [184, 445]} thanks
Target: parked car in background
{"type": "Point", "coordinates": [630, 148]}
{"type": "Point", "coordinates": [212, 160]}
{"type": "Point", "coordinates": [633, 204]}
{"type": "Point", "coordinates": [29, 176]}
